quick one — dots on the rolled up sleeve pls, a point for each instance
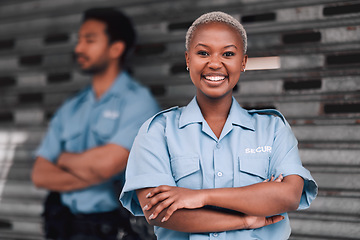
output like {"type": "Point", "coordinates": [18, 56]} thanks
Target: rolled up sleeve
{"type": "Point", "coordinates": [148, 165]}
{"type": "Point", "coordinates": [285, 160]}
{"type": "Point", "coordinates": [50, 147]}
{"type": "Point", "coordinates": [310, 187]}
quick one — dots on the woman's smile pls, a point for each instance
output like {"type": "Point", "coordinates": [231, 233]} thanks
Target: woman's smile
{"type": "Point", "coordinates": [214, 78]}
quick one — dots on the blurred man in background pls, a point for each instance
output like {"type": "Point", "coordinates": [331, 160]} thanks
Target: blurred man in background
{"type": "Point", "coordinates": [85, 150]}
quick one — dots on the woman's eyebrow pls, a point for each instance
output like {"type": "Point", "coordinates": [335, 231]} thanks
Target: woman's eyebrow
{"type": "Point", "coordinates": [204, 45]}
{"type": "Point", "coordinates": [229, 46]}
{"type": "Point", "coordinates": [201, 45]}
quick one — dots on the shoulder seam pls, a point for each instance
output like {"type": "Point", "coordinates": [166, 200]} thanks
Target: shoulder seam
{"type": "Point", "coordinates": [158, 114]}
{"type": "Point", "coordinates": [272, 112]}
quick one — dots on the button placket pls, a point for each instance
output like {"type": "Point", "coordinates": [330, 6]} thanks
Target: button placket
{"type": "Point", "coordinates": [218, 173]}
{"type": "Point", "coordinates": [217, 236]}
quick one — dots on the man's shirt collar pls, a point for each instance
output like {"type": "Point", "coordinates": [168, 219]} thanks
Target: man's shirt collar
{"type": "Point", "coordinates": [120, 85]}
{"type": "Point", "coordinates": [118, 88]}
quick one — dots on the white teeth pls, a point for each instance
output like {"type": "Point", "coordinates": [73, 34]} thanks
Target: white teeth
{"type": "Point", "coordinates": [215, 78]}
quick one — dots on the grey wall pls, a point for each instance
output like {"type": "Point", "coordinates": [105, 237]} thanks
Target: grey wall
{"type": "Point", "coordinates": [317, 88]}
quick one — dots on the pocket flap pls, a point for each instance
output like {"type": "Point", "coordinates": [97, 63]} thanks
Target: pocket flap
{"type": "Point", "coordinates": [184, 166]}
{"type": "Point", "coordinates": [107, 123]}
{"type": "Point", "coordinates": [71, 132]}
{"type": "Point", "coordinates": [254, 166]}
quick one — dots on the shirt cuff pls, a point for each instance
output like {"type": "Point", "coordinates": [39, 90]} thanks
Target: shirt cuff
{"type": "Point", "coordinates": [48, 156]}
{"type": "Point", "coordinates": [310, 189]}
{"type": "Point", "coordinates": [128, 196]}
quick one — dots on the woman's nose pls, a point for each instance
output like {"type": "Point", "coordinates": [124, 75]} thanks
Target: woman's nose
{"type": "Point", "coordinates": [215, 62]}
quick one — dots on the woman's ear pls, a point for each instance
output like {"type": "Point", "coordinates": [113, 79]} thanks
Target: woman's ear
{"type": "Point", "coordinates": [244, 61]}
{"type": "Point", "coordinates": [117, 49]}
{"type": "Point", "coordinates": [187, 59]}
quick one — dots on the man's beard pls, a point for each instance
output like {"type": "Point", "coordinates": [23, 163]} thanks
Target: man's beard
{"type": "Point", "coordinates": [94, 69]}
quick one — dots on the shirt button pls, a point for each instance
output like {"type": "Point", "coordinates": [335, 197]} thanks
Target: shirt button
{"type": "Point", "coordinates": [219, 174]}
{"type": "Point", "coordinates": [215, 234]}
{"type": "Point", "coordinates": [218, 146]}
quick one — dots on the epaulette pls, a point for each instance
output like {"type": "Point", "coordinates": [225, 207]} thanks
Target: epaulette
{"type": "Point", "coordinates": [273, 112]}
{"type": "Point", "coordinates": [158, 114]}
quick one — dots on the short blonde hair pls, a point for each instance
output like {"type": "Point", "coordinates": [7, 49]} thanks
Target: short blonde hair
{"type": "Point", "coordinates": [220, 17]}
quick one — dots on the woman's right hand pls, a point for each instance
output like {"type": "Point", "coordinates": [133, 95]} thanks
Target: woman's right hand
{"type": "Point", "coordinates": [171, 199]}
{"type": "Point", "coordinates": [252, 222]}
{"type": "Point", "coordinates": [278, 179]}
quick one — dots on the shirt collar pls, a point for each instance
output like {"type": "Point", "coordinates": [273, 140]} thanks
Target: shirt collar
{"type": "Point", "coordinates": [191, 114]}
{"type": "Point", "coordinates": [118, 88]}
{"type": "Point", "coordinates": [237, 116]}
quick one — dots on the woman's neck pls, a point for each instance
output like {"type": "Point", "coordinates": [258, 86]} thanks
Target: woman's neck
{"type": "Point", "coordinates": [215, 112]}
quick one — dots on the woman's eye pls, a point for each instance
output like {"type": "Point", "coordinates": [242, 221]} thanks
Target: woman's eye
{"type": "Point", "coordinates": [202, 53]}
{"type": "Point", "coordinates": [228, 54]}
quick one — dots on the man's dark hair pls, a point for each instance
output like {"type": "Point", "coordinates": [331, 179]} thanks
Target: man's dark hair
{"type": "Point", "coordinates": [118, 26]}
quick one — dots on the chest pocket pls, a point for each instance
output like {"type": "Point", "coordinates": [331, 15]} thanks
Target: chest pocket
{"type": "Point", "coordinates": [186, 171]}
{"type": "Point", "coordinates": [72, 139]}
{"type": "Point", "coordinates": [106, 125]}
{"type": "Point", "coordinates": [251, 170]}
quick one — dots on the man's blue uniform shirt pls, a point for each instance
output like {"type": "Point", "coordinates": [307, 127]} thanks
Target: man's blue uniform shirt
{"type": "Point", "coordinates": [178, 148]}
{"type": "Point", "coordinates": [84, 122]}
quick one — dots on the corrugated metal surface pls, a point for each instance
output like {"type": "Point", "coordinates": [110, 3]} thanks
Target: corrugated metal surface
{"type": "Point", "coordinates": [317, 88]}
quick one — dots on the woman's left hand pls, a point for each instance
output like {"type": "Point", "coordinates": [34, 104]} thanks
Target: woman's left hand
{"type": "Point", "coordinates": [173, 198]}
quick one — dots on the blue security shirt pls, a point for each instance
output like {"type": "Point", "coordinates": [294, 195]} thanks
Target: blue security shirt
{"type": "Point", "coordinates": [178, 148]}
{"type": "Point", "coordinates": [84, 122]}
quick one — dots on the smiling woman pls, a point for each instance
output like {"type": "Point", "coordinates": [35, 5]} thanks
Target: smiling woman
{"type": "Point", "coordinates": [212, 168]}
{"type": "Point", "coordinates": [213, 58]}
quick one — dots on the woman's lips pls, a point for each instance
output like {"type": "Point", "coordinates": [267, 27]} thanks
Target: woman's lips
{"type": "Point", "coordinates": [214, 78]}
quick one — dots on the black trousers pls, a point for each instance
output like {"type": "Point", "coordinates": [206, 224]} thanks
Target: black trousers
{"type": "Point", "coordinates": [61, 224]}
{"type": "Point", "coordinates": [95, 226]}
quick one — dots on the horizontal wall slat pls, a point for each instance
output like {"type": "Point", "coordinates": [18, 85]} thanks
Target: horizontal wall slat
{"type": "Point", "coordinates": [331, 228]}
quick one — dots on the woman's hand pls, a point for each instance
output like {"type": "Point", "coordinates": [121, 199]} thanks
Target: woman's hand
{"type": "Point", "coordinates": [173, 198]}
{"type": "Point", "coordinates": [252, 222]}
{"type": "Point", "coordinates": [280, 178]}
